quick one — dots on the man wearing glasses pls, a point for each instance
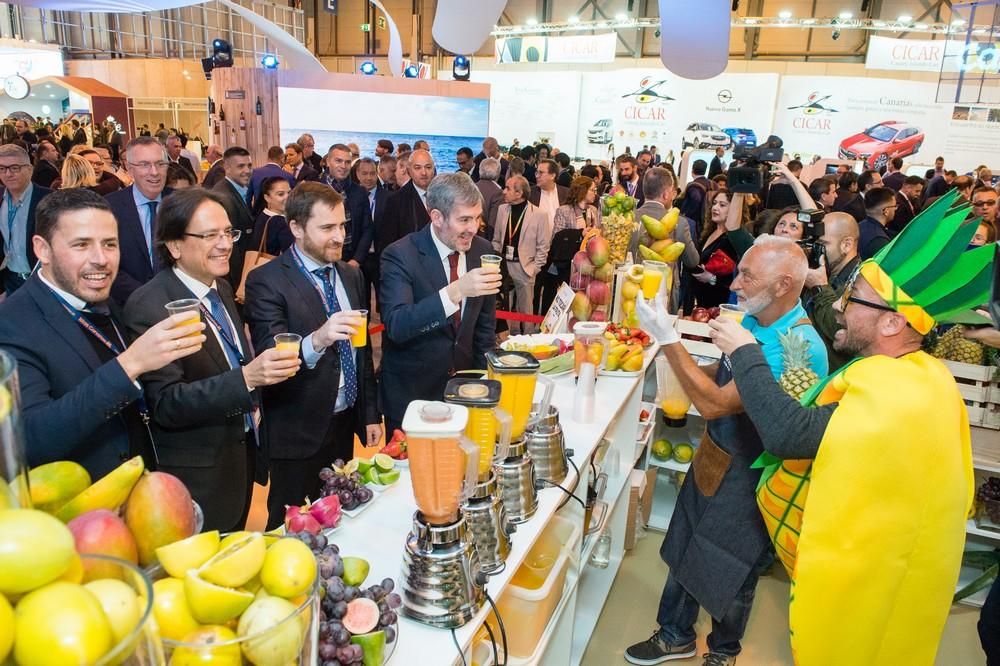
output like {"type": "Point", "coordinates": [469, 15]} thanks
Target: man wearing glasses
{"type": "Point", "coordinates": [880, 207]}
{"type": "Point", "coordinates": [984, 205]}
{"type": "Point", "coordinates": [135, 208]}
{"type": "Point", "coordinates": [17, 216]}
{"type": "Point", "coordinates": [877, 543]}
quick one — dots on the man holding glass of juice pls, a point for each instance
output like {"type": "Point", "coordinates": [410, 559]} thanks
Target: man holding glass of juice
{"type": "Point", "coordinates": [309, 292]}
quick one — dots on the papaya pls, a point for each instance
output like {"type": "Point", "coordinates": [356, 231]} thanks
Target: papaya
{"type": "Point", "coordinates": [55, 483]}
{"type": "Point", "coordinates": [659, 246]}
{"type": "Point", "coordinates": [109, 492]}
{"type": "Point", "coordinates": [673, 252]}
{"type": "Point", "coordinates": [650, 254]}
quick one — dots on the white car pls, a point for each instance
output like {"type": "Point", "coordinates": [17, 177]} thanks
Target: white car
{"type": "Point", "coordinates": [601, 132]}
{"type": "Point", "coordinates": [704, 135]}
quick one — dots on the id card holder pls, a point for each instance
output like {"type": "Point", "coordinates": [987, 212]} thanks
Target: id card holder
{"type": "Point", "coordinates": [508, 253]}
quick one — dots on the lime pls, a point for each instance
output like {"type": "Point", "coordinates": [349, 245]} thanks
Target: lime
{"type": "Point", "coordinates": [662, 449]}
{"type": "Point", "coordinates": [289, 568]}
{"type": "Point", "coordinates": [386, 478]}
{"type": "Point", "coordinates": [370, 475]}
{"type": "Point", "coordinates": [355, 570]}
{"type": "Point", "coordinates": [383, 462]}
{"type": "Point", "coordinates": [214, 604]}
{"type": "Point", "coordinates": [683, 453]}
{"type": "Point", "coordinates": [60, 623]}
{"type": "Point", "coordinates": [237, 564]}
{"type": "Point", "coordinates": [171, 611]}
{"type": "Point", "coordinates": [364, 464]}
{"type": "Point", "coordinates": [372, 647]}
{"type": "Point", "coordinates": [189, 553]}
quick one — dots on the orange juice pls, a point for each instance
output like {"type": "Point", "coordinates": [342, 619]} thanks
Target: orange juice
{"type": "Point", "coordinates": [730, 311]}
{"type": "Point", "coordinates": [517, 373]}
{"type": "Point", "coordinates": [189, 306]}
{"type": "Point", "coordinates": [652, 276]}
{"type": "Point", "coordinates": [360, 337]}
{"type": "Point", "coordinates": [675, 407]}
{"type": "Point", "coordinates": [195, 319]}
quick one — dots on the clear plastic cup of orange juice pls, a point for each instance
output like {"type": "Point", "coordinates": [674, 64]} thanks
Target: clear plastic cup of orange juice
{"type": "Point", "coordinates": [731, 311]}
{"type": "Point", "coordinates": [360, 337]}
{"type": "Point", "coordinates": [652, 275]}
{"type": "Point", "coordinates": [191, 306]}
{"type": "Point", "coordinates": [288, 342]}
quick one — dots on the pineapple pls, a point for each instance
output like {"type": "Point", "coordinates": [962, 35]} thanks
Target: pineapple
{"type": "Point", "coordinates": [953, 346]}
{"type": "Point", "coordinates": [797, 376]}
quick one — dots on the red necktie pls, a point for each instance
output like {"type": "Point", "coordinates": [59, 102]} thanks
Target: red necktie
{"type": "Point", "coordinates": [456, 319]}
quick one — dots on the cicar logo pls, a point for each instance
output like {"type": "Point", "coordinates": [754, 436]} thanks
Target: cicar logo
{"type": "Point", "coordinates": [814, 106]}
{"type": "Point", "coordinates": [644, 96]}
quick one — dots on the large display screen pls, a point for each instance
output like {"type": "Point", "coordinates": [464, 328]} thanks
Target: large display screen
{"type": "Point", "coordinates": [342, 116]}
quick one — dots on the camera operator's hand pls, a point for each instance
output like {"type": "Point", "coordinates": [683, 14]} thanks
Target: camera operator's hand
{"type": "Point", "coordinates": [988, 335]}
{"type": "Point", "coordinates": [816, 277]}
{"type": "Point", "coordinates": [654, 319]}
{"type": "Point", "coordinates": [781, 171]}
{"type": "Point", "coordinates": [728, 335]}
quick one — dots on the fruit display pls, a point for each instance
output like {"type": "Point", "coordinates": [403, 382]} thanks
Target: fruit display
{"type": "Point", "coordinates": [590, 278]}
{"type": "Point", "coordinates": [627, 334]}
{"type": "Point", "coordinates": [618, 223]}
{"type": "Point", "coordinates": [344, 480]}
{"type": "Point", "coordinates": [553, 348]}
{"type": "Point", "coordinates": [653, 230]}
{"type": "Point", "coordinates": [313, 517]}
{"type": "Point", "coordinates": [49, 614]}
{"type": "Point", "coordinates": [662, 449]}
{"type": "Point", "coordinates": [624, 357]}
{"type": "Point", "coordinates": [357, 624]}
{"type": "Point", "coordinates": [796, 376]}
{"type": "Point", "coordinates": [988, 504]}
{"type": "Point", "coordinates": [395, 448]}
{"type": "Point", "coordinates": [953, 346]}
{"type": "Point", "coordinates": [379, 470]}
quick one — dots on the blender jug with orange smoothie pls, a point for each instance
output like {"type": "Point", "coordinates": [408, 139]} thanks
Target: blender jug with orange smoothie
{"type": "Point", "coordinates": [517, 373]}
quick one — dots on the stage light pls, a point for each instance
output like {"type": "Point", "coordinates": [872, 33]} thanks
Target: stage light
{"type": "Point", "coordinates": [368, 68]}
{"type": "Point", "coordinates": [904, 18]}
{"type": "Point", "coordinates": [269, 61]}
{"type": "Point", "coordinates": [532, 21]}
{"type": "Point", "coordinates": [461, 68]}
{"type": "Point", "coordinates": [835, 35]}
{"type": "Point", "coordinates": [573, 19]}
{"type": "Point", "coordinates": [411, 72]}
{"type": "Point", "coordinates": [784, 15]}
{"type": "Point", "coordinates": [222, 53]}
{"type": "Point", "coordinates": [846, 16]}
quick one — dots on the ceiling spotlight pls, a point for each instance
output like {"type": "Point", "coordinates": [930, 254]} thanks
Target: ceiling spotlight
{"type": "Point", "coordinates": [784, 15]}
{"type": "Point", "coordinates": [621, 16]}
{"type": "Point", "coordinates": [574, 19]}
{"type": "Point", "coordinates": [846, 16]}
{"type": "Point", "coordinates": [411, 72]}
{"type": "Point", "coordinates": [461, 68]}
{"type": "Point", "coordinates": [750, 21]}
{"type": "Point", "coordinates": [920, 26]}
{"type": "Point", "coordinates": [835, 35]}
{"type": "Point", "coordinates": [808, 21]}
{"type": "Point", "coordinates": [904, 18]}
{"type": "Point", "coordinates": [269, 61]}
{"type": "Point", "coordinates": [532, 21]}
{"type": "Point", "coordinates": [368, 68]}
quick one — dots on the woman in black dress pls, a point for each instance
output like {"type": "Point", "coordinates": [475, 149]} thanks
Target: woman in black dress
{"type": "Point", "coordinates": [271, 217]}
{"type": "Point", "coordinates": [718, 255]}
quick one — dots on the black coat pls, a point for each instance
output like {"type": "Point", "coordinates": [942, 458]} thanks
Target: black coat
{"type": "Point", "coordinates": [401, 215]}
{"type": "Point", "coordinates": [215, 173]}
{"type": "Point", "coordinates": [241, 218]}
{"type": "Point", "coordinates": [44, 173]}
{"type": "Point", "coordinates": [359, 222]}
{"type": "Point", "coordinates": [135, 268]}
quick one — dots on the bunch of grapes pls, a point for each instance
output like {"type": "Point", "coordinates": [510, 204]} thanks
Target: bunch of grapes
{"type": "Point", "coordinates": [335, 648]}
{"type": "Point", "coordinates": [349, 488]}
{"type": "Point", "coordinates": [989, 498]}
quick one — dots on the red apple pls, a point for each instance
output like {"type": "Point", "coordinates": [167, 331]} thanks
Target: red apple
{"type": "Point", "coordinates": [102, 532]}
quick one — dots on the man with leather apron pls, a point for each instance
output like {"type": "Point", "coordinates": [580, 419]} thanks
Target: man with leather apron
{"type": "Point", "coordinates": [716, 544]}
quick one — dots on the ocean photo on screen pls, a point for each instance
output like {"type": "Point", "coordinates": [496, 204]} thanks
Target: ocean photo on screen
{"type": "Point", "coordinates": [342, 116]}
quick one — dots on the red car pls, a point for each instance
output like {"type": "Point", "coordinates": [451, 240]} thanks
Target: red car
{"type": "Point", "coordinates": [880, 143]}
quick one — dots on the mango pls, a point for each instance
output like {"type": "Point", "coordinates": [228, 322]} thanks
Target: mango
{"type": "Point", "coordinates": [102, 532]}
{"type": "Point", "coordinates": [659, 246]}
{"type": "Point", "coordinates": [55, 483]}
{"type": "Point", "coordinates": [159, 512]}
{"type": "Point", "coordinates": [598, 251]}
{"type": "Point", "coordinates": [109, 492]}
{"type": "Point", "coordinates": [581, 307]}
{"type": "Point", "coordinates": [669, 221]}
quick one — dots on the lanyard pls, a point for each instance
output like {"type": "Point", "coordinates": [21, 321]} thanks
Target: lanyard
{"type": "Point", "coordinates": [327, 306]}
{"type": "Point", "coordinates": [510, 215]}
{"type": "Point", "coordinates": [223, 331]}
{"type": "Point", "coordinates": [11, 215]}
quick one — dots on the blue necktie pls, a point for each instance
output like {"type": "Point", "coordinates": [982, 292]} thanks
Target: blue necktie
{"type": "Point", "coordinates": [233, 356]}
{"type": "Point", "coordinates": [148, 230]}
{"type": "Point", "coordinates": [344, 347]}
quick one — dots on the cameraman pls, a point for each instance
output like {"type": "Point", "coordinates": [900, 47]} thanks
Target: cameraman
{"type": "Point", "coordinates": [880, 206]}
{"type": "Point", "coordinates": [825, 285]}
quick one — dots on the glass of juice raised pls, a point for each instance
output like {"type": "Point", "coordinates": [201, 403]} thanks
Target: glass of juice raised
{"type": "Point", "coordinates": [731, 311]}
{"type": "Point", "coordinates": [288, 342]}
{"type": "Point", "coordinates": [192, 306]}
{"type": "Point", "coordinates": [652, 276]}
{"type": "Point", "coordinates": [490, 260]}
{"type": "Point", "coordinates": [360, 337]}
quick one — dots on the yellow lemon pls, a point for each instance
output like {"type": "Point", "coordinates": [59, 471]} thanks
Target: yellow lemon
{"type": "Point", "coordinates": [189, 553]}
{"type": "Point", "coordinates": [170, 608]}
{"type": "Point", "coordinates": [232, 538]}
{"type": "Point", "coordinates": [120, 603]}
{"type": "Point", "coordinates": [289, 568]}
{"type": "Point", "coordinates": [208, 646]}
{"type": "Point", "coordinates": [213, 604]}
{"type": "Point", "coordinates": [60, 623]}
{"type": "Point", "coordinates": [6, 628]}
{"type": "Point", "coordinates": [237, 563]}
{"type": "Point", "coordinates": [273, 633]}
{"type": "Point", "coordinates": [35, 549]}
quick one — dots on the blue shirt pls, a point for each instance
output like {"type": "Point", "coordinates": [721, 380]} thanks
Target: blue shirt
{"type": "Point", "coordinates": [771, 345]}
{"type": "Point", "coordinates": [14, 226]}
{"type": "Point", "coordinates": [141, 201]}
{"type": "Point", "coordinates": [244, 191]}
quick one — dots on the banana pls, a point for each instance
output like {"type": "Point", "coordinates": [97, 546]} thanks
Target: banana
{"type": "Point", "coordinates": [109, 492]}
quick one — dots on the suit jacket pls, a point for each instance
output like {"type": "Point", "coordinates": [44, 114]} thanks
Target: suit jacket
{"type": "Point", "coordinates": [359, 221]}
{"type": "Point", "coordinates": [715, 167]}
{"type": "Point", "coordinates": [316, 162]}
{"type": "Point", "coordinates": [536, 195]}
{"type": "Point", "coordinates": [851, 203]}
{"type": "Point", "coordinates": [71, 401]}
{"type": "Point", "coordinates": [492, 198]}
{"type": "Point", "coordinates": [420, 347]}
{"type": "Point", "coordinates": [135, 268]}
{"type": "Point", "coordinates": [215, 173]}
{"type": "Point", "coordinates": [44, 173]}
{"type": "Point", "coordinates": [504, 164]}
{"type": "Point", "coordinates": [197, 404]}
{"type": "Point", "coordinates": [186, 163]}
{"type": "Point", "coordinates": [906, 210]}
{"type": "Point", "coordinates": [307, 173]}
{"type": "Point", "coordinates": [241, 218]}
{"type": "Point", "coordinates": [894, 180]}
{"type": "Point", "coordinates": [402, 214]}
{"type": "Point", "coordinates": [269, 170]}
{"type": "Point", "coordinates": [297, 412]}
{"type": "Point", "coordinates": [873, 238]}
{"type": "Point", "coordinates": [37, 193]}
{"type": "Point", "coordinates": [533, 243]}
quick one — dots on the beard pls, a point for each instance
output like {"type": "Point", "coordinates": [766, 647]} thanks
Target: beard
{"type": "Point", "coordinates": [325, 253]}
{"type": "Point", "coordinates": [756, 303]}
{"type": "Point", "coordinates": [853, 343]}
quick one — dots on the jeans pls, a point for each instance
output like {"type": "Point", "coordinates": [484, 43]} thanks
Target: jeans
{"type": "Point", "coordinates": [679, 611]}
{"type": "Point", "coordinates": [989, 625]}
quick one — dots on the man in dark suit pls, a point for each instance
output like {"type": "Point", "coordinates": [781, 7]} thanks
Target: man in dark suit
{"type": "Point", "coordinates": [894, 177]}
{"type": "Point", "coordinates": [19, 201]}
{"type": "Point", "coordinates": [135, 208]}
{"type": "Point", "coordinates": [360, 229]}
{"type": "Point", "coordinates": [235, 193]}
{"type": "Point", "coordinates": [46, 164]}
{"type": "Point", "coordinates": [491, 148]}
{"type": "Point", "coordinates": [695, 193]}
{"type": "Point", "coordinates": [489, 171]}
{"type": "Point", "coordinates": [202, 407]}
{"type": "Point", "coordinates": [438, 303]}
{"type": "Point", "coordinates": [79, 394]}
{"type": "Point", "coordinates": [174, 153]}
{"type": "Point", "coordinates": [310, 420]}
{"type": "Point", "coordinates": [628, 178]}
{"type": "Point", "coordinates": [217, 170]}
{"type": "Point", "coordinates": [907, 203]}
{"type": "Point", "coordinates": [406, 210]}
{"type": "Point", "coordinates": [309, 153]}
{"type": "Point", "coordinates": [296, 166]}
{"type": "Point", "coordinates": [717, 166]}
{"type": "Point", "coordinates": [367, 171]}
{"type": "Point", "coordinates": [880, 206]}
{"type": "Point", "coordinates": [273, 168]}
{"type": "Point", "coordinates": [546, 194]}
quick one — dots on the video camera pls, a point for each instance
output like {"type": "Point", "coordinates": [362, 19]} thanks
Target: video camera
{"type": "Point", "coordinates": [812, 228]}
{"type": "Point", "coordinates": [750, 171]}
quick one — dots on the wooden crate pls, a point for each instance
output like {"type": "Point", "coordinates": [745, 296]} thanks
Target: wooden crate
{"type": "Point", "coordinates": [980, 389]}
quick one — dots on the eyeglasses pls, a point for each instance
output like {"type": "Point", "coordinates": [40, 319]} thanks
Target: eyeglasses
{"type": "Point", "coordinates": [14, 169]}
{"type": "Point", "coordinates": [214, 236]}
{"type": "Point", "coordinates": [982, 204]}
{"type": "Point", "coordinates": [149, 166]}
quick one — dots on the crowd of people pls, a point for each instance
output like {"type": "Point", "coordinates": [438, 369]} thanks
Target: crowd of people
{"type": "Point", "coordinates": [98, 241]}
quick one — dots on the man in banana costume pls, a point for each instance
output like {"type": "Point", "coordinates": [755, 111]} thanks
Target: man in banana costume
{"type": "Point", "coordinates": [875, 553]}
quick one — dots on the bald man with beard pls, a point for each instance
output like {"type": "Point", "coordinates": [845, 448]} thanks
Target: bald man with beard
{"type": "Point", "coordinates": [406, 210]}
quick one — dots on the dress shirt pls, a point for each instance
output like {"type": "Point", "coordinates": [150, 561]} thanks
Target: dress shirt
{"type": "Point", "coordinates": [244, 191]}
{"type": "Point", "coordinates": [309, 354]}
{"type": "Point", "coordinates": [444, 251]}
{"type": "Point", "coordinates": [75, 302]}
{"type": "Point", "coordinates": [371, 207]}
{"type": "Point", "coordinates": [147, 222]}
{"type": "Point", "coordinates": [423, 196]}
{"type": "Point", "coordinates": [548, 201]}
{"type": "Point", "coordinates": [15, 237]}
{"type": "Point", "coordinates": [200, 291]}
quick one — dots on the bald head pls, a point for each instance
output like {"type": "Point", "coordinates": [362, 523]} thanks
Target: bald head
{"type": "Point", "coordinates": [421, 168]}
{"type": "Point", "coordinates": [840, 240]}
{"type": "Point", "coordinates": [772, 274]}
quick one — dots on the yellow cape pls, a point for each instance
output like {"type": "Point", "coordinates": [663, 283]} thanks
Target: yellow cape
{"type": "Point", "coordinates": [884, 526]}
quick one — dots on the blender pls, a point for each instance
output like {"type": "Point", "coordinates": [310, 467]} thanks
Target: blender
{"type": "Point", "coordinates": [442, 583]}
{"type": "Point", "coordinates": [673, 399]}
{"type": "Point", "coordinates": [546, 444]}
{"type": "Point", "coordinates": [517, 373]}
{"type": "Point", "coordinates": [483, 510]}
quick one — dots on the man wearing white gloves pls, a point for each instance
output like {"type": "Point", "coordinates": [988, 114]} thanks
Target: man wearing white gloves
{"type": "Point", "coordinates": [716, 544]}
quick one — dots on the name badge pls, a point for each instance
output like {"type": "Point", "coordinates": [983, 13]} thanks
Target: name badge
{"type": "Point", "coordinates": [509, 252]}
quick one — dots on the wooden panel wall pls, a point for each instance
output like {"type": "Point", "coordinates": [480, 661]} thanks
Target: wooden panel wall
{"type": "Point", "coordinates": [260, 132]}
